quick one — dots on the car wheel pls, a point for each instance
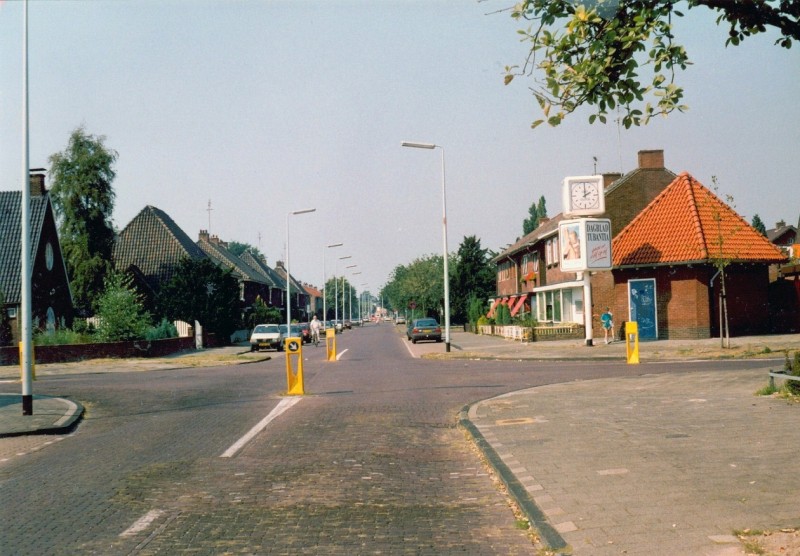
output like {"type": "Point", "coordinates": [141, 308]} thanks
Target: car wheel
{"type": "Point", "coordinates": [413, 341]}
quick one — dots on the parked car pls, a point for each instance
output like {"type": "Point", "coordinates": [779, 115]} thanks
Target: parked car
{"type": "Point", "coordinates": [424, 329]}
{"type": "Point", "coordinates": [296, 332]}
{"type": "Point", "coordinates": [266, 336]}
{"type": "Point", "coordinates": [400, 320]}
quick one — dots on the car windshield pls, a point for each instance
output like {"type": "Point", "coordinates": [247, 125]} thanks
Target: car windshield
{"type": "Point", "coordinates": [266, 329]}
{"type": "Point", "coordinates": [426, 322]}
{"type": "Point", "coordinates": [295, 329]}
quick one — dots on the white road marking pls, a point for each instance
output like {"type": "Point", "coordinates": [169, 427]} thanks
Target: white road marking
{"type": "Point", "coordinates": [339, 355]}
{"type": "Point", "coordinates": [142, 523]}
{"type": "Point", "coordinates": [282, 406]}
{"type": "Point", "coordinates": [73, 408]}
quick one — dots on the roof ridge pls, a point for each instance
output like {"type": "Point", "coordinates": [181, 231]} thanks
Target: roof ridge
{"type": "Point", "coordinates": [697, 220]}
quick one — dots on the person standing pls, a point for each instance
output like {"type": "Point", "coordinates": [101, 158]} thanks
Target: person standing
{"type": "Point", "coordinates": [607, 321]}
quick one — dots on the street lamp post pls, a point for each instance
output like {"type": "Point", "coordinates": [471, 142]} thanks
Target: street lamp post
{"type": "Point", "coordinates": [349, 297]}
{"type": "Point", "coordinates": [336, 292]}
{"type": "Point", "coordinates": [444, 240]}
{"type": "Point", "coordinates": [324, 293]}
{"type": "Point", "coordinates": [288, 274]}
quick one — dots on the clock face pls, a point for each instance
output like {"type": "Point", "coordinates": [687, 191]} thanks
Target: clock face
{"type": "Point", "coordinates": [584, 195]}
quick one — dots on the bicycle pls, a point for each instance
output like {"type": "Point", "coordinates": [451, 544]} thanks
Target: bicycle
{"type": "Point", "coordinates": [315, 337]}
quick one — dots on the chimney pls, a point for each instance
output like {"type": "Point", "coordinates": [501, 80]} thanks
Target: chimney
{"type": "Point", "coordinates": [279, 264]}
{"type": "Point", "coordinates": [37, 187]}
{"type": "Point", "coordinates": [780, 224]}
{"type": "Point", "coordinates": [203, 235]}
{"type": "Point", "coordinates": [610, 178]}
{"type": "Point", "coordinates": [651, 160]}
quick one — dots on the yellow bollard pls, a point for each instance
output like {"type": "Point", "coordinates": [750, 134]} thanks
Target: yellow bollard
{"type": "Point", "coordinates": [330, 343]}
{"type": "Point", "coordinates": [632, 336]}
{"type": "Point", "coordinates": [294, 354]}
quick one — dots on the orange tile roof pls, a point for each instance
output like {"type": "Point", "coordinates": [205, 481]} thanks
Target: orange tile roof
{"type": "Point", "coordinates": [684, 224]}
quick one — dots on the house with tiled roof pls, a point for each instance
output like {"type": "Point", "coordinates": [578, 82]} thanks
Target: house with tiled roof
{"type": "Point", "coordinates": [299, 295]}
{"type": "Point", "coordinates": [150, 248]}
{"type": "Point", "coordinates": [529, 277]}
{"type": "Point", "coordinates": [671, 262]}
{"type": "Point", "coordinates": [51, 297]}
{"type": "Point", "coordinates": [785, 236]}
{"type": "Point", "coordinates": [252, 284]}
{"type": "Point", "coordinates": [276, 285]}
{"type": "Point", "coordinates": [671, 236]}
{"type": "Point", "coordinates": [315, 301]}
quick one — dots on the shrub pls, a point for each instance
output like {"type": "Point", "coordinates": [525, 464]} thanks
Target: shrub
{"type": "Point", "coordinates": [61, 336]}
{"type": "Point", "coordinates": [120, 311]}
{"type": "Point", "coordinates": [502, 315]}
{"type": "Point", "coordinates": [165, 329]}
{"type": "Point", "coordinates": [793, 386]}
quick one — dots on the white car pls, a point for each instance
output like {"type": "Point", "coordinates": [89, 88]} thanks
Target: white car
{"type": "Point", "coordinates": [266, 336]}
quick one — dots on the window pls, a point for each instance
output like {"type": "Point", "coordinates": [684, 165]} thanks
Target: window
{"type": "Point", "coordinates": [12, 312]}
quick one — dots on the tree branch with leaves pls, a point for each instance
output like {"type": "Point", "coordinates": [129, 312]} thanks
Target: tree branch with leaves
{"type": "Point", "coordinates": [596, 52]}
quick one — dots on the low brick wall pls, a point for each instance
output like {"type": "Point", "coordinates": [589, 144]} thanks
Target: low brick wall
{"type": "Point", "coordinates": [113, 350]}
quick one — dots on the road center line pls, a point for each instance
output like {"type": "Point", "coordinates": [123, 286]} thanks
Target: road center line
{"type": "Point", "coordinates": [339, 355]}
{"type": "Point", "coordinates": [282, 406]}
{"type": "Point", "coordinates": [142, 523]}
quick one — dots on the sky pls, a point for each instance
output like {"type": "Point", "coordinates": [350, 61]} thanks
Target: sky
{"type": "Point", "coordinates": [258, 109]}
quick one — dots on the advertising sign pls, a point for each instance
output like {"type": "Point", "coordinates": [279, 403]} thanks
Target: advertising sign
{"type": "Point", "coordinates": [585, 244]}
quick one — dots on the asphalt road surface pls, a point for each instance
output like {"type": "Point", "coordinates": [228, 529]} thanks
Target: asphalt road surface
{"type": "Point", "coordinates": [218, 461]}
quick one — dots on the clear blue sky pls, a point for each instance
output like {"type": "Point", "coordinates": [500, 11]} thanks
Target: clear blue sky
{"type": "Point", "coordinates": [267, 107]}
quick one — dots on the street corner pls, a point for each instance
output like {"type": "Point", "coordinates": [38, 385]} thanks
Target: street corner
{"type": "Point", "coordinates": [51, 415]}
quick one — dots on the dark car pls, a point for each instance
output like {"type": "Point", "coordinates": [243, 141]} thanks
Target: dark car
{"type": "Point", "coordinates": [305, 330]}
{"type": "Point", "coordinates": [424, 329]}
{"type": "Point", "coordinates": [296, 332]}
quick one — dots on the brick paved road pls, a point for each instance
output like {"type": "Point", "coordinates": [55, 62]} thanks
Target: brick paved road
{"type": "Point", "coordinates": [371, 461]}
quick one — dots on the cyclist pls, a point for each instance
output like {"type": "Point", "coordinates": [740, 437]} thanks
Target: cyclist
{"type": "Point", "coordinates": [315, 326]}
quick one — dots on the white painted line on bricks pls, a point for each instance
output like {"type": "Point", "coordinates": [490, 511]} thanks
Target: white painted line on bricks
{"type": "Point", "coordinates": [142, 523]}
{"type": "Point", "coordinates": [282, 406]}
{"type": "Point", "coordinates": [73, 408]}
{"type": "Point", "coordinates": [339, 355]}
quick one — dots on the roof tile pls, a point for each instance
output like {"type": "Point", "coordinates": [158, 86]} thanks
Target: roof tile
{"type": "Point", "coordinates": [688, 223]}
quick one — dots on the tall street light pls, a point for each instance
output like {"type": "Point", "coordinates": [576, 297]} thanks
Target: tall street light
{"type": "Point", "coordinates": [444, 236]}
{"type": "Point", "coordinates": [288, 274]}
{"type": "Point", "coordinates": [350, 299]}
{"type": "Point", "coordinates": [324, 293]}
{"type": "Point", "coordinates": [336, 292]}
{"type": "Point", "coordinates": [349, 295]}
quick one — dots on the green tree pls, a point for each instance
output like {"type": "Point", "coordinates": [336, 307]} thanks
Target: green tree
{"type": "Point", "coordinates": [473, 276]}
{"type": "Point", "coordinates": [263, 314]}
{"type": "Point", "coordinates": [238, 248]}
{"type": "Point", "coordinates": [120, 311]}
{"type": "Point", "coordinates": [758, 225]}
{"type": "Point", "coordinates": [339, 291]}
{"type": "Point", "coordinates": [536, 212]}
{"type": "Point", "coordinates": [420, 282]}
{"type": "Point", "coordinates": [599, 52]}
{"type": "Point", "coordinates": [201, 291]}
{"type": "Point", "coordinates": [83, 198]}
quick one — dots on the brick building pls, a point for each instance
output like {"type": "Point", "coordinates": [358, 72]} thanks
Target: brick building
{"type": "Point", "coordinates": [669, 232]}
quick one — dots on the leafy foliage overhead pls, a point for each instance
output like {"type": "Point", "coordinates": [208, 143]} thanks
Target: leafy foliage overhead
{"type": "Point", "coordinates": [596, 52]}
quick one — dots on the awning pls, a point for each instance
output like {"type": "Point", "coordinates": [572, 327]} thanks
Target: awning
{"type": "Point", "coordinates": [519, 304]}
{"type": "Point", "coordinates": [490, 314]}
